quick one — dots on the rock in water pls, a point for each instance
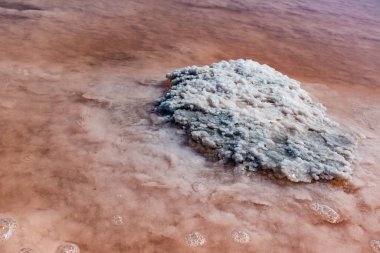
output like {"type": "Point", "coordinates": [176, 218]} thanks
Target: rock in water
{"type": "Point", "coordinates": [260, 119]}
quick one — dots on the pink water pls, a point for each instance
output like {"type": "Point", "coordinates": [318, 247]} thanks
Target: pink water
{"type": "Point", "coordinates": [84, 160]}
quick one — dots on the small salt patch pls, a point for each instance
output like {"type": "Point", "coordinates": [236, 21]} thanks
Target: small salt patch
{"type": "Point", "coordinates": [326, 213]}
{"type": "Point", "coordinates": [68, 248]}
{"type": "Point", "coordinates": [198, 187]}
{"type": "Point", "coordinates": [7, 227]}
{"type": "Point", "coordinates": [195, 239]}
{"type": "Point", "coordinates": [375, 245]}
{"type": "Point", "coordinates": [240, 236]}
{"type": "Point", "coordinates": [117, 220]}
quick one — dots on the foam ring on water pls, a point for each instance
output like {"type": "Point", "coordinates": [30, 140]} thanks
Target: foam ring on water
{"type": "Point", "coordinates": [195, 239]}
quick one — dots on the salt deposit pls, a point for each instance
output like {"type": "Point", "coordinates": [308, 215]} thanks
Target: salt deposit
{"type": "Point", "coordinates": [68, 248]}
{"type": "Point", "coordinates": [326, 213]}
{"type": "Point", "coordinates": [375, 245]}
{"type": "Point", "coordinates": [240, 236]}
{"type": "Point", "coordinates": [7, 227]}
{"type": "Point", "coordinates": [117, 220]}
{"type": "Point", "coordinates": [198, 187]}
{"type": "Point", "coordinates": [195, 239]}
{"type": "Point", "coordinates": [258, 118]}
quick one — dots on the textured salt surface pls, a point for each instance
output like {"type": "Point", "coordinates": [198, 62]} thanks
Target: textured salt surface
{"type": "Point", "coordinates": [260, 119]}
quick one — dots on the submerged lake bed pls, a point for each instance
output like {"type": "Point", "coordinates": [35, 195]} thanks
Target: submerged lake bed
{"type": "Point", "coordinates": [87, 164]}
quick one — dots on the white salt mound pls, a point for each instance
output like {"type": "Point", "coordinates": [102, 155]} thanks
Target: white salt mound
{"type": "Point", "coordinates": [258, 118]}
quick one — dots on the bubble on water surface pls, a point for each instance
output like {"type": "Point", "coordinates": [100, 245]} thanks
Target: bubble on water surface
{"type": "Point", "coordinates": [375, 245]}
{"type": "Point", "coordinates": [195, 239]}
{"type": "Point", "coordinates": [240, 236]}
{"type": "Point", "coordinates": [117, 220]}
{"type": "Point", "coordinates": [68, 248]}
{"type": "Point", "coordinates": [7, 226]}
{"type": "Point", "coordinates": [326, 213]}
{"type": "Point", "coordinates": [198, 187]}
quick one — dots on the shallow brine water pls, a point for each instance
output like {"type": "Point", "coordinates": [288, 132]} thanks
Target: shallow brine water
{"type": "Point", "coordinates": [86, 164]}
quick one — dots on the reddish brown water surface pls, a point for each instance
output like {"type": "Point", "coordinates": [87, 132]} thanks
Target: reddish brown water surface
{"type": "Point", "coordinates": [84, 160]}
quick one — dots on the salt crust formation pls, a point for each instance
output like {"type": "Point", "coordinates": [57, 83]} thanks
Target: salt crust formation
{"type": "Point", "coordinates": [258, 118]}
